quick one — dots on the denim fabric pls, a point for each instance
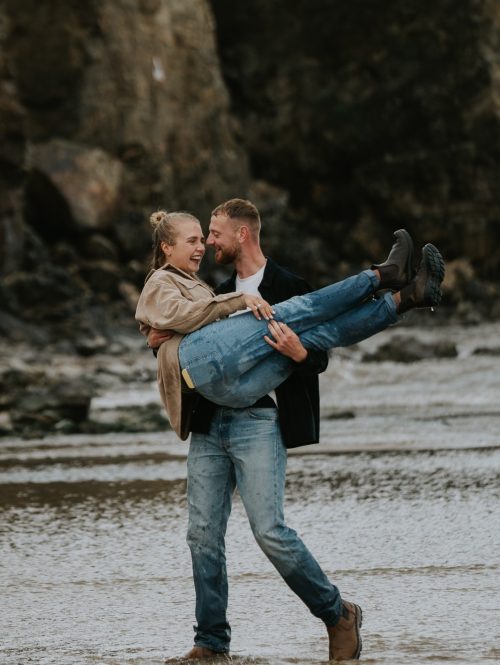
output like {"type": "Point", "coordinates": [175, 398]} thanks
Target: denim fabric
{"type": "Point", "coordinates": [244, 449]}
{"type": "Point", "coordinates": [231, 364]}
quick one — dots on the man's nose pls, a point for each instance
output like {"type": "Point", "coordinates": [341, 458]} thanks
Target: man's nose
{"type": "Point", "coordinates": [210, 241]}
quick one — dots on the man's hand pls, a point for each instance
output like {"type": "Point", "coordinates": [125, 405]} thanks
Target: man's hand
{"type": "Point", "coordinates": [286, 341]}
{"type": "Point", "coordinates": [157, 337]}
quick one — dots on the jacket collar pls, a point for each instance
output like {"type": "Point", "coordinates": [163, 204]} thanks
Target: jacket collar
{"type": "Point", "coordinates": [267, 279]}
{"type": "Point", "coordinates": [171, 268]}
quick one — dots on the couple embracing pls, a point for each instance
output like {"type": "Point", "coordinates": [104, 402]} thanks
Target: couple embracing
{"type": "Point", "coordinates": [238, 369]}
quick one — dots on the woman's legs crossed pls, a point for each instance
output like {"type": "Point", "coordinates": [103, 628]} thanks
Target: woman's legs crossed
{"type": "Point", "coordinates": [239, 387]}
{"type": "Point", "coordinates": [218, 354]}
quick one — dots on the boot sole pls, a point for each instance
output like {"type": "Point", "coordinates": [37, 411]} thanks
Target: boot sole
{"type": "Point", "coordinates": [434, 265]}
{"type": "Point", "coordinates": [359, 623]}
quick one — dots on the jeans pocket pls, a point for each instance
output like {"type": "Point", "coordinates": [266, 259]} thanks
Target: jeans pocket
{"type": "Point", "coordinates": [267, 413]}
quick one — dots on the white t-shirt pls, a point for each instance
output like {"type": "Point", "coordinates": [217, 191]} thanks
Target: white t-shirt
{"type": "Point", "coordinates": [250, 285]}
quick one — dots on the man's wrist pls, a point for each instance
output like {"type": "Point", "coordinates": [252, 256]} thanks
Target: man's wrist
{"type": "Point", "coordinates": [302, 357]}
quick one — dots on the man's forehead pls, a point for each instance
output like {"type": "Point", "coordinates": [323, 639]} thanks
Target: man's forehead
{"type": "Point", "coordinates": [220, 222]}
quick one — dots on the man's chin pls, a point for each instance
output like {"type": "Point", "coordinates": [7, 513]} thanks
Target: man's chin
{"type": "Point", "coordinates": [224, 259]}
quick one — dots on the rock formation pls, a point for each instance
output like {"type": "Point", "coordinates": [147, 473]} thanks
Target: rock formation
{"type": "Point", "coordinates": [341, 120]}
{"type": "Point", "coordinates": [373, 115]}
{"type": "Point", "coordinates": [108, 110]}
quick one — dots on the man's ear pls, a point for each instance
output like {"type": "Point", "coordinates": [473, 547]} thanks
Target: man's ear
{"type": "Point", "coordinates": [243, 234]}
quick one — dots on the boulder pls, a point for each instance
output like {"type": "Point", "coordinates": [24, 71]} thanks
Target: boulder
{"type": "Point", "coordinates": [404, 349]}
{"type": "Point", "coordinates": [86, 180]}
{"type": "Point", "coordinates": [493, 351]}
{"type": "Point", "coordinates": [132, 418]}
{"type": "Point", "coordinates": [103, 277]}
{"type": "Point", "coordinates": [39, 408]}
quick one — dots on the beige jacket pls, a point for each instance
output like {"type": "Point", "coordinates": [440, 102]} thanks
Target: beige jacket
{"type": "Point", "coordinates": [174, 300]}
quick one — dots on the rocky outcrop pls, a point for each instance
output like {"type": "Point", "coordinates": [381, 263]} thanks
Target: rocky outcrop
{"type": "Point", "coordinates": [372, 116]}
{"type": "Point", "coordinates": [95, 386]}
{"type": "Point", "coordinates": [84, 181]}
{"type": "Point", "coordinates": [109, 110]}
{"type": "Point", "coordinates": [342, 122]}
{"type": "Point", "coordinates": [409, 349]}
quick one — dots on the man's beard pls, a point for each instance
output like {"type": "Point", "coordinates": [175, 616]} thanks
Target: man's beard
{"type": "Point", "coordinates": [226, 256]}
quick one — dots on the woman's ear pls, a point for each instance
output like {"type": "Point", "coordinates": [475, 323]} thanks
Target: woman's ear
{"type": "Point", "coordinates": [166, 248]}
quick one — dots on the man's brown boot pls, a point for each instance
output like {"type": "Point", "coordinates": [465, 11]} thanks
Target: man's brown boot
{"type": "Point", "coordinates": [197, 653]}
{"type": "Point", "coordinates": [345, 640]}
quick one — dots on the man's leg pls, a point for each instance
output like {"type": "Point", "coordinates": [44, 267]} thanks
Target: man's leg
{"type": "Point", "coordinates": [211, 483]}
{"type": "Point", "coordinates": [259, 458]}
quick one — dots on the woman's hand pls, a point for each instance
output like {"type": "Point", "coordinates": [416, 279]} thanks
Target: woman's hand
{"type": "Point", "coordinates": [260, 307]}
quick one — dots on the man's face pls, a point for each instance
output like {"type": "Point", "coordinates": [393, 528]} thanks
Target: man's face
{"type": "Point", "coordinates": [223, 237]}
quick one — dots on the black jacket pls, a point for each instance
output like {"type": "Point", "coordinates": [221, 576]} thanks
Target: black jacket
{"type": "Point", "coordinates": [298, 396]}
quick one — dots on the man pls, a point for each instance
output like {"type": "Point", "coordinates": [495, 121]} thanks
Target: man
{"type": "Point", "coordinates": [246, 448]}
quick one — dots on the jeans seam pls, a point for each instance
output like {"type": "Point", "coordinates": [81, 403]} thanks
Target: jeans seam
{"type": "Point", "coordinates": [277, 477]}
{"type": "Point", "coordinates": [208, 640]}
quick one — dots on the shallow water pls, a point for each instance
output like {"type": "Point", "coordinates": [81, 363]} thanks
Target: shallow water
{"type": "Point", "coordinates": [399, 504]}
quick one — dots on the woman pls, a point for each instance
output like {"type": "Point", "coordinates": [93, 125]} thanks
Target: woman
{"type": "Point", "coordinates": [232, 361]}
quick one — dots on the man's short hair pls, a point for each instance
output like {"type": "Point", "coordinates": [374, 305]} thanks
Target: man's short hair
{"type": "Point", "coordinates": [240, 209]}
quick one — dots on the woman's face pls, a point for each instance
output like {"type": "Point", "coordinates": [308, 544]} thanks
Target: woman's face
{"type": "Point", "coordinates": [189, 247]}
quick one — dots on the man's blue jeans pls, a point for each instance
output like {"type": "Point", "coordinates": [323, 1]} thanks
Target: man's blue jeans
{"type": "Point", "coordinates": [231, 364]}
{"type": "Point", "coordinates": [244, 449]}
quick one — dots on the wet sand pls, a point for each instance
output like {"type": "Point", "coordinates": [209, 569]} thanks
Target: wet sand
{"type": "Point", "coordinates": [399, 504]}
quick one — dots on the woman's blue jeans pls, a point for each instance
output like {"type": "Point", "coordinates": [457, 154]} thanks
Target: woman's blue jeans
{"type": "Point", "coordinates": [231, 364]}
{"type": "Point", "coordinates": [244, 449]}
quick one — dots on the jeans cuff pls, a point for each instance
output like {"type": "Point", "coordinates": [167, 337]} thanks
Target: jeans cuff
{"type": "Point", "coordinates": [374, 280]}
{"type": "Point", "coordinates": [391, 306]}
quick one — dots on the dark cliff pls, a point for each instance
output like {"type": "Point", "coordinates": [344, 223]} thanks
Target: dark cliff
{"type": "Point", "coordinates": [371, 116]}
{"type": "Point", "coordinates": [341, 120]}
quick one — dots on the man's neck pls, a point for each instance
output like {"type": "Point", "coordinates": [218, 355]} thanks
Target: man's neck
{"type": "Point", "coordinates": [249, 263]}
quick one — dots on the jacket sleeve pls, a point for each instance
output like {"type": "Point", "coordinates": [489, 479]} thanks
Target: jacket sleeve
{"type": "Point", "coordinates": [163, 306]}
{"type": "Point", "coordinates": [315, 363]}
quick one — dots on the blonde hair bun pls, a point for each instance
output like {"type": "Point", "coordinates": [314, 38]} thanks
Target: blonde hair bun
{"type": "Point", "coordinates": [157, 218]}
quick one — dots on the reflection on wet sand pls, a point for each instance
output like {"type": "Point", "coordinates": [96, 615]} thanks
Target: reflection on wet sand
{"type": "Point", "coordinates": [60, 494]}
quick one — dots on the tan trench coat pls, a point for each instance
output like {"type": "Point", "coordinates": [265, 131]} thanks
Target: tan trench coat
{"type": "Point", "coordinates": [174, 300]}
